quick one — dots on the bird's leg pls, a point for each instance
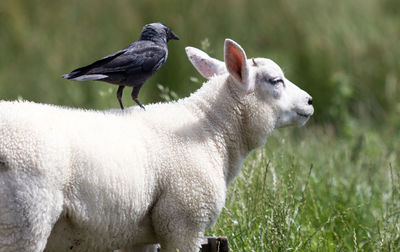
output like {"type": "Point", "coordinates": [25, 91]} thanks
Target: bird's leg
{"type": "Point", "coordinates": [119, 95]}
{"type": "Point", "coordinates": [134, 95]}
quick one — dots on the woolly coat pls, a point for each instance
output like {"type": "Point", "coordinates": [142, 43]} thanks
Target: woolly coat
{"type": "Point", "coordinates": [111, 179]}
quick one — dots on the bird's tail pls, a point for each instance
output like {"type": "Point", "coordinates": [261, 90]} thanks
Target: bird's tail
{"type": "Point", "coordinates": [84, 77]}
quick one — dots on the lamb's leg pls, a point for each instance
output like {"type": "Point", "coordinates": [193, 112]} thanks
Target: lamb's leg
{"type": "Point", "coordinates": [177, 229]}
{"type": "Point", "coordinates": [27, 213]}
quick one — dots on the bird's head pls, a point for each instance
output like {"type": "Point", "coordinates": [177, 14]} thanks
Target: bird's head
{"type": "Point", "coordinates": [157, 32]}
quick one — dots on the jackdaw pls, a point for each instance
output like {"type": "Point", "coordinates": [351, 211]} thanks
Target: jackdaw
{"type": "Point", "coordinates": [133, 65]}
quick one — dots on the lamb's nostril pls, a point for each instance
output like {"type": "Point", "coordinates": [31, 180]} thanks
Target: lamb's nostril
{"type": "Point", "coordinates": [309, 101]}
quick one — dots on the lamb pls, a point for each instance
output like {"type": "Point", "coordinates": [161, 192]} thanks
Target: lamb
{"type": "Point", "coordinates": [76, 180]}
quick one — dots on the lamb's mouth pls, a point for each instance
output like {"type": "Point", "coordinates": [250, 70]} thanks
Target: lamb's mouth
{"type": "Point", "coordinates": [304, 114]}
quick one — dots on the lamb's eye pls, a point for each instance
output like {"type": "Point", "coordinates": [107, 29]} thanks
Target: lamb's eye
{"type": "Point", "coordinates": [275, 81]}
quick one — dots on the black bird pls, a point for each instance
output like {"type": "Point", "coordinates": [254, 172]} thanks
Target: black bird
{"type": "Point", "coordinates": [133, 65]}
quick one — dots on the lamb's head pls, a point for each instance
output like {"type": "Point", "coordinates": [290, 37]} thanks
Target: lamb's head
{"type": "Point", "coordinates": [259, 83]}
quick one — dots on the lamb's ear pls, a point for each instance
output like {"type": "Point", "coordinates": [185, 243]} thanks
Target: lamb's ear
{"type": "Point", "coordinates": [204, 64]}
{"type": "Point", "coordinates": [236, 62]}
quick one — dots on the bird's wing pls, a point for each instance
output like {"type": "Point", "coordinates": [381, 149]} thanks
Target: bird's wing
{"type": "Point", "coordinates": [83, 70]}
{"type": "Point", "coordinates": [136, 60]}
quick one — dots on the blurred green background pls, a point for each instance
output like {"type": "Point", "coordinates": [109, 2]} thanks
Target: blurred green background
{"type": "Point", "coordinates": [346, 54]}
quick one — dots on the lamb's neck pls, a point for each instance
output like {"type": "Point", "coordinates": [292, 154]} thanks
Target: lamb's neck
{"type": "Point", "coordinates": [217, 106]}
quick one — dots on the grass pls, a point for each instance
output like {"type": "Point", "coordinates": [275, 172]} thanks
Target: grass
{"type": "Point", "coordinates": [308, 191]}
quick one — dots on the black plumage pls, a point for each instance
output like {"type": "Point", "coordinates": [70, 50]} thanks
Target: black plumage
{"type": "Point", "coordinates": [133, 65]}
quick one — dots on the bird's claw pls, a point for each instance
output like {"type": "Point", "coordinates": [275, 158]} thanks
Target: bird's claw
{"type": "Point", "coordinates": [140, 104]}
{"type": "Point", "coordinates": [120, 104]}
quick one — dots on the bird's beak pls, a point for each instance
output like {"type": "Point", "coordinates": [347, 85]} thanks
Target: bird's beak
{"type": "Point", "coordinates": [174, 36]}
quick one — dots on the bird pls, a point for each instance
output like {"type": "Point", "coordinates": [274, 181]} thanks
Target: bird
{"type": "Point", "coordinates": [133, 65]}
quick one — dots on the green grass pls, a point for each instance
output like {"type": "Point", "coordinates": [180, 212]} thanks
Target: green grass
{"type": "Point", "coordinates": [308, 191]}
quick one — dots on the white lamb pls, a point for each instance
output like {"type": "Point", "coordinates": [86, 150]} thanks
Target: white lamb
{"type": "Point", "coordinates": [75, 180]}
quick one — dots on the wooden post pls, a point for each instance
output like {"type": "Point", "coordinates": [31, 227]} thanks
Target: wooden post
{"type": "Point", "coordinates": [208, 244]}
{"type": "Point", "coordinates": [215, 244]}
{"type": "Point", "coordinates": [223, 244]}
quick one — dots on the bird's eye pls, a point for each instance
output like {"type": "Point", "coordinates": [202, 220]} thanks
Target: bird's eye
{"type": "Point", "coordinates": [275, 81]}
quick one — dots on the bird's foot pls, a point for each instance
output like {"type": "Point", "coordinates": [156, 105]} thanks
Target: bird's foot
{"type": "Point", "coordinates": [140, 104]}
{"type": "Point", "coordinates": [119, 96]}
{"type": "Point", "coordinates": [120, 104]}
